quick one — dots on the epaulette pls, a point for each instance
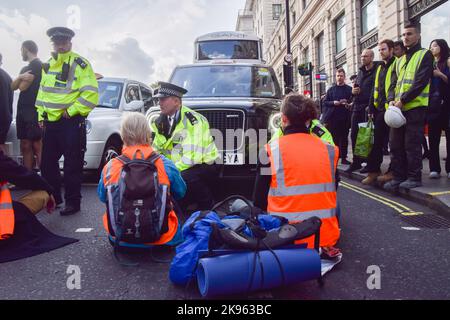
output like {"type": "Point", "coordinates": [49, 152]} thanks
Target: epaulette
{"type": "Point", "coordinates": [81, 62]}
{"type": "Point", "coordinates": [318, 131]}
{"type": "Point", "coordinates": [192, 119]}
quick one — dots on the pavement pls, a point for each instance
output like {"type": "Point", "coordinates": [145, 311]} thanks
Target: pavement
{"type": "Point", "coordinates": [435, 193]}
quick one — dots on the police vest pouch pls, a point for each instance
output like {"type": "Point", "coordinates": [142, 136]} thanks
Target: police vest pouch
{"type": "Point", "coordinates": [144, 203]}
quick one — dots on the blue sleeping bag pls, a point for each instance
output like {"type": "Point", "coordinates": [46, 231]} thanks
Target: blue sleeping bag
{"type": "Point", "coordinates": [196, 232]}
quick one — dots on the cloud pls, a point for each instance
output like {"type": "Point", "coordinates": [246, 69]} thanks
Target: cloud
{"type": "Point", "coordinates": [123, 59]}
{"type": "Point", "coordinates": [15, 28]}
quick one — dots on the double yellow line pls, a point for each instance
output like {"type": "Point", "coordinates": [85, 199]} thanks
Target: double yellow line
{"type": "Point", "coordinates": [400, 208]}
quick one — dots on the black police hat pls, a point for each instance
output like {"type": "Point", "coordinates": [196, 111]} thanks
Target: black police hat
{"type": "Point", "coordinates": [60, 33]}
{"type": "Point", "coordinates": [169, 90]}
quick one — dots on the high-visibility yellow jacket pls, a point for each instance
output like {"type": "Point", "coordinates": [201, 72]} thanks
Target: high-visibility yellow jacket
{"type": "Point", "coordinates": [68, 83]}
{"type": "Point", "coordinates": [189, 144]}
{"type": "Point", "coordinates": [387, 85]}
{"type": "Point", "coordinates": [406, 75]}
{"type": "Point", "coordinates": [316, 129]}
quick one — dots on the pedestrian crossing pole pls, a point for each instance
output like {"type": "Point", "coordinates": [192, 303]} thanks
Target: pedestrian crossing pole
{"type": "Point", "coordinates": [287, 65]}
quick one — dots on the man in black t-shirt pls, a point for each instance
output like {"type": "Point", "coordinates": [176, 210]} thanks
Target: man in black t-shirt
{"type": "Point", "coordinates": [6, 102]}
{"type": "Point", "coordinates": [28, 130]}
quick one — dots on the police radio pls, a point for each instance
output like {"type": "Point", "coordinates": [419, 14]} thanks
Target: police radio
{"type": "Point", "coordinates": [64, 75]}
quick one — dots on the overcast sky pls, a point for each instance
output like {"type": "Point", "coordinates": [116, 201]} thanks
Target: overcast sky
{"type": "Point", "coordinates": [138, 39]}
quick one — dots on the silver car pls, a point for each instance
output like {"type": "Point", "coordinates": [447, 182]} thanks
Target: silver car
{"type": "Point", "coordinates": [116, 97]}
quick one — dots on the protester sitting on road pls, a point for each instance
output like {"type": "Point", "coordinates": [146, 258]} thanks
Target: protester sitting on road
{"type": "Point", "coordinates": [136, 136]}
{"type": "Point", "coordinates": [297, 187]}
{"type": "Point", "coordinates": [21, 234]}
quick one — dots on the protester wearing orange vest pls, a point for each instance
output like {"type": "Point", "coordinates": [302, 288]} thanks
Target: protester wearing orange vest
{"type": "Point", "coordinates": [136, 135]}
{"type": "Point", "coordinates": [300, 182]}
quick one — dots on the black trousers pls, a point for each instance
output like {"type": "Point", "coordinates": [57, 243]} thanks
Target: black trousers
{"type": "Point", "coordinates": [435, 128]}
{"type": "Point", "coordinates": [340, 129]}
{"type": "Point", "coordinates": [199, 180]}
{"type": "Point", "coordinates": [406, 146]}
{"type": "Point", "coordinates": [357, 118]}
{"type": "Point", "coordinates": [381, 132]}
{"type": "Point", "coordinates": [66, 137]}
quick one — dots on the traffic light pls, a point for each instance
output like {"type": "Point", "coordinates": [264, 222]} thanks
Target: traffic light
{"type": "Point", "coordinates": [305, 69]}
{"type": "Point", "coordinates": [288, 75]}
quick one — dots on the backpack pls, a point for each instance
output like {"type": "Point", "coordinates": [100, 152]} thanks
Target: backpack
{"type": "Point", "coordinates": [141, 214]}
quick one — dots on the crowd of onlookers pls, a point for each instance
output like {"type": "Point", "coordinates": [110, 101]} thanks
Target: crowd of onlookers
{"type": "Point", "coordinates": [411, 78]}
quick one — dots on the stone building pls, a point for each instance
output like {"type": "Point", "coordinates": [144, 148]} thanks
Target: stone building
{"type": "Point", "coordinates": [332, 33]}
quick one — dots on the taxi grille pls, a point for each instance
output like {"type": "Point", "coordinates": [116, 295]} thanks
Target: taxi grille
{"type": "Point", "coordinates": [223, 120]}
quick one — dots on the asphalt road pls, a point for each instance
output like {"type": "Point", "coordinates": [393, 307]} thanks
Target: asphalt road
{"type": "Point", "coordinates": [414, 262]}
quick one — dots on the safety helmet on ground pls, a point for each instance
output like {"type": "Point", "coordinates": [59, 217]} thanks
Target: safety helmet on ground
{"type": "Point", "coordinates": [394, 117]}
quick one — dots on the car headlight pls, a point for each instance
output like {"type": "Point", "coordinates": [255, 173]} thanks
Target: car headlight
{"type": "Point", "coordinates": [275, 122]}
{"type": "Point", "coordinates": [88, 127]}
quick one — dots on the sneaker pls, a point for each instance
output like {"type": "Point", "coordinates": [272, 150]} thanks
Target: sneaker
{"type": "Point", "coordinates": [371, 178]}
{"type": "Point", "coordinates": [352, 168]}
{"type": "Point", "coordinates": [435, 175]}
{"type": "Point", "coordinates": [410, 184]}
{"type": "Point", "coordinates": [346, 162]}
{"type": "Point", "coordinates": [392, 185]}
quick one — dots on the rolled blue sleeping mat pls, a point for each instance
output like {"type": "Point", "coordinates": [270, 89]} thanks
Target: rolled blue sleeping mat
{"type": "Point", "coordinates": [231, 274]}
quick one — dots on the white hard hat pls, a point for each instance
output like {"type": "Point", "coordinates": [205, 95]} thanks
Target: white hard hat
{"type": "Point", "coordinates": [394, 117]}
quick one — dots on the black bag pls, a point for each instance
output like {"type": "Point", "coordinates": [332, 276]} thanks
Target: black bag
{"type": "Point", "coordinates": [144, 204]}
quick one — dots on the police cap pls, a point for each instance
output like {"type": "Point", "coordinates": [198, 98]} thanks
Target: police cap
{"type": "Point", "coordinates": [60, 33]}
{"type": "Point", "coordinates": [169, 90]}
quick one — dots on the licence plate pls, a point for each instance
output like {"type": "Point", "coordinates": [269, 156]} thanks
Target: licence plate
{"type": "Point", "coordinates": [233, 159]}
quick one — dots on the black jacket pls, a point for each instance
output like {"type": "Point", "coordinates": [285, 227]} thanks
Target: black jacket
{"type": "Point", "coordinates": [332, 112]}
{"type": "Point", "coordinates": [20, 176]}
{"type": "Point", "coordinates": [423, 75]}
{"type": "Point", "coordinates": [6, 98]}
{"type": "Point", "coordinates": [365, 80]}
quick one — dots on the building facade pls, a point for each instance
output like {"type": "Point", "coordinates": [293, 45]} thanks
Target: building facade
{"type": "Point", "coordinates": [332, 33]}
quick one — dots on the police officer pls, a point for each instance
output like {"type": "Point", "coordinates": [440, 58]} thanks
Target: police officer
{"type": "Point", "coordinates": [183, 136]}
{"type": "Point", "coordinates": [68, 93]}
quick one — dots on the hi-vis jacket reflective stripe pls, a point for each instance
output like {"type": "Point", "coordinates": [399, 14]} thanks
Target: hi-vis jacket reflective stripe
{"type": "Point", "coordinates": [387, 84]}
{"type": "Point", "coordinates": [406, 75]}
{"type": "Point", "coordinates": [304, 186]}
{"type": "Point", "coordinates": [111, 177]}
{"type": "Point", "coordinates": [316, 129]}
{"type": "Point", "coordinates": [190, 144]}
{"type": "Point", "coordinates": [6, 213]}
{"type": "Point", "coordinates": [78, 93]}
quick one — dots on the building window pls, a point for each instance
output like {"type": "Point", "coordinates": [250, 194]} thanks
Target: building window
{"type": "Point", "coordinates": [276, 11]}
{"type": "Point", "coordinates": [341, 37]}
{"type": "Point", "coordinates": [320, 50]}
{"type": "Point", "coordinates": [295, 74]}
{"type": "Point", "coordinates": [279, 41]}
{"type": "Point", "coordinates": [369, 15]}
{"type": "Point", "coordinates": [294, 19]}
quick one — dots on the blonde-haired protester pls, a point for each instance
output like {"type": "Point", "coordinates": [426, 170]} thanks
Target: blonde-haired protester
{"type": "Point", "coordinates": [136, 136]}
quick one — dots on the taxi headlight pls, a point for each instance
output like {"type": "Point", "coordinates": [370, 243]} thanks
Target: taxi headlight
{"type": "Point", "coordinates": [275, 122]}
{"type": "Point", "coordinates": [151, 117]}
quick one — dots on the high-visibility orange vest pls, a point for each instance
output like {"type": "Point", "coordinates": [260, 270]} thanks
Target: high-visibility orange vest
{"type": "Point", "coordinates": [111, 175]}
{"type": "Point", "coordinates": [6, 212]}
{"type": "Point", "coordinates": [303, 183]}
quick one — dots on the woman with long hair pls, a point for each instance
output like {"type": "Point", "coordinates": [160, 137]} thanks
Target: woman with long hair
{"type": "Point", "coordinates": [438, 116]}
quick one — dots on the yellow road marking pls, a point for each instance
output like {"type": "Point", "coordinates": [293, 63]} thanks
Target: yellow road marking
{"type": "Point", "coordinates": [400, 208]}
{"type": "Point", "coordinates": [439, 193]}
{"type": "Point", "coordinates": [377, 195]}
